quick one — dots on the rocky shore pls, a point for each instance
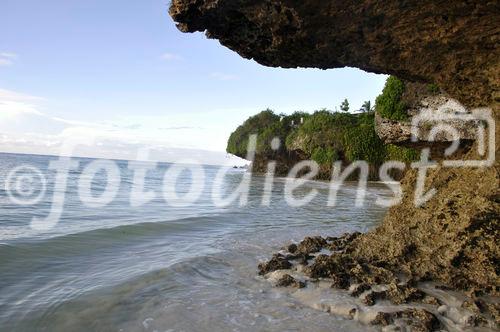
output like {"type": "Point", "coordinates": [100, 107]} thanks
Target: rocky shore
{"type": "Point", "coordinates": [381, 294]}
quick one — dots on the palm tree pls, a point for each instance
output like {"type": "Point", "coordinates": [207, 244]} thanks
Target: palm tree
{"type": "Point", "coordinates": [367, 106]}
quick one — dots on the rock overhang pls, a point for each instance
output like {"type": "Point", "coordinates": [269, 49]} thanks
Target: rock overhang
{"type": "Point", "coordinates": [452, 43]}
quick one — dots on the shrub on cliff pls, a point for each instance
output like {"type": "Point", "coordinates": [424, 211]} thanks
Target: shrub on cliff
{"type": "Point", "coordinates": [389, 104]}
{"type": "Point", "coordinates": [264, 139]}
{"type": "Point", "coordinates": [362, 143]}
{"type": "Point", "coordinates": [321, 129]}
{"type": "Point", "coordinates": [324, 137]}
{"type": "Point", "coordinates": [257, 124]}
{"type": "Point", "coordinates": [266, 125]}
{"type": "Point", "coordinates": [324, 155]}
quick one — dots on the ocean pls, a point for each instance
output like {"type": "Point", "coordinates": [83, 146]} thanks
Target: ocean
{"type": "Point", "coordinates": [160, 265]}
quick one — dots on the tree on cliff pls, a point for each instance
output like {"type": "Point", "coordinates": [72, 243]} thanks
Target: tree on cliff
{"type": "Point", "coordinates": [367, 106]}
{"type": "Point", "coordinates": [345, 105]}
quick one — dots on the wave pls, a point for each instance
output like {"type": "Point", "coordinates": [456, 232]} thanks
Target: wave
{"type": "Point", "coordinates": [84, 241]}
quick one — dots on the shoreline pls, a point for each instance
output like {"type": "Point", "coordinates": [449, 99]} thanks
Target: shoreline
{"type": "Point", "coordinates": [316, 270]}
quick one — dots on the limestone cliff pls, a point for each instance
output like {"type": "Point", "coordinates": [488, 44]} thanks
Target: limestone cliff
{"type": "Point", "coordinates": [455, 44]}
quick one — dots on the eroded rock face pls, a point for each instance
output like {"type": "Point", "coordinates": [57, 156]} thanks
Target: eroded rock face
{"type": "Point", "coordinates": [429, 122]}
{"type": "Point", "coordinates": [452, 43]}
{"type": "Point", "coordinates": [452, 238]}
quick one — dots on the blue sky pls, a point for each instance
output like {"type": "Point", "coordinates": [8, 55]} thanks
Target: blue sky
{"type": "Point", "coordinates": [120, 71]}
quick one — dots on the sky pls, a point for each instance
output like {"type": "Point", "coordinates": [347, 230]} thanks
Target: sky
{"type": "Point", "coordinates": [120, 77]}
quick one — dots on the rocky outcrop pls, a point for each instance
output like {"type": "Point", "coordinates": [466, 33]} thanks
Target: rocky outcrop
{"type": "Point", "coordinates": [452, 238]}
{"type": "Point", "coordinates": [393, 131]}
{"type": "Point", "coordinates": [428, 114]}
{"type": "Point", "coordinates": [452, 43]}
{"type": "Point", "coordinates": [456, 44]}
{"type": "Point", "coordinates": [377, 295]}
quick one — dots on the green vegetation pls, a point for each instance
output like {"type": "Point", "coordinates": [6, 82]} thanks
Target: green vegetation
{"type": "Point", "coordinates": [324, 137]}
{"type": "Point", "coordinates": [266, 125]}
{"type": "Point", "coordinates": [324, 155]}
{"type": "Point", "coordinates": [344, 107]}
{"type": "Point", "coordinates": [367, 106]}
{"type": "Point", "coordinates": [322, 129]}
{"type": "Point", "coordinates": [327, 136]}
{"type": "Point", "coordinates": [407, 155]}
{"type": "Point", "coordinates": [238, 141]}
{"type": "Point", "coordinates": [389, 104]}
{"type": "Point", "coordinates": [362, 143]}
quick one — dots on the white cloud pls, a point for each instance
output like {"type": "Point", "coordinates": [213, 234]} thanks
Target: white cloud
{"type": "Point", "coordinates": [24, 128]}
{"type": "Point", "coordinates": [223, 76]}
{"type": "Point", "coordinates": [14, 104]}
{"type": "Point", "coordinates": [76, 123]}
{"type": "Point", "coordinates": [7, 58]}
{"type": "Point", "coordinates": [11, 109]}
{"type": "Point", "coordinates": [171, 57]}
{"type": "Point", "coordinates": [104, 143]}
